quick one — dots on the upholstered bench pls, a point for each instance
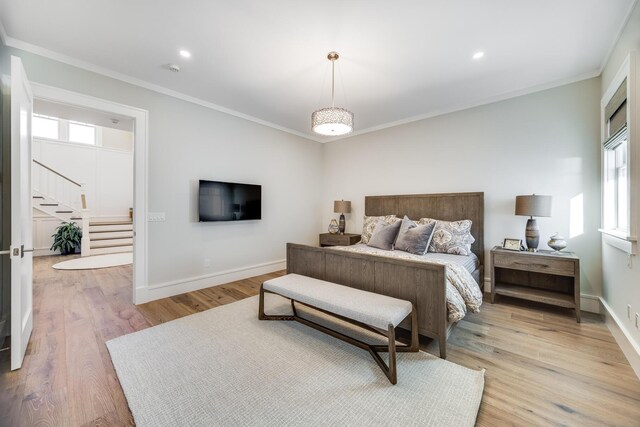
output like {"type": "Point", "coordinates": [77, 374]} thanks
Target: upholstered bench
{"type": "Point", "coordinates": [374, 312]}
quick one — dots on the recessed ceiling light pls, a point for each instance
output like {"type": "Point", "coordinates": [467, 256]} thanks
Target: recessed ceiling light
{"type": "Point", "coordinates": [185, 53]}
{"type": "Point", "coordinates": [478, 55]}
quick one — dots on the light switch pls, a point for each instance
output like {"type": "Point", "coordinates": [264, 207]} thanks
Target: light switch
{"type": "Point", "coordinates": [156, 217]}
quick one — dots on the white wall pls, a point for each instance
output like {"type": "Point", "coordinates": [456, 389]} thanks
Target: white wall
{"type": "Point", "coordinates": [544, 143]}
{"type": "Point", "coordinates": [621, 279]}
{"type": "Point", "coordinates": [188, 142]}
{"type": "Point", "coordinates": [107, 173]}
{"type": "Point", "coordinates": [44, 226]}
{"type": "Point", "coordinates": [116, 138]}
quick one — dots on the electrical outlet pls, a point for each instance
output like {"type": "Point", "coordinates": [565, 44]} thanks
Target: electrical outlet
{"type": "Point", "coordinates": [629, 311]}
{"type": "Point", "coordinates": [206, 263]}
{"type": "Point", "coordinates": [156, 217]}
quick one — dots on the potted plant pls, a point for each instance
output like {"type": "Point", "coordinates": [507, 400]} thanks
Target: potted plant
{"type": "Point", "coordinates": [67, 238]}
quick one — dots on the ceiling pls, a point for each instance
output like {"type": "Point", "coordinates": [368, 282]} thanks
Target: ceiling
{"type": "Point", "coordinates": [399, 61]}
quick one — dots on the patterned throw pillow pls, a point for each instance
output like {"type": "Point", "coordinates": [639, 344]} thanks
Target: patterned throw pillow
{"type": "Point", "coordinates": [370, 223]}
{"type": "Point", "coordinates": [451, 237]}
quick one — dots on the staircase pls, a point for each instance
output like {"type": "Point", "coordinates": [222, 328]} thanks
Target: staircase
{"type": "Point", "coordinates": [65, 199]}
{"type": "Point", "coordinates": [55, 208]}
{"type": "Point", "coordinates": [109, 237]}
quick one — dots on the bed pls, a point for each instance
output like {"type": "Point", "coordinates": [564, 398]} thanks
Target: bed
{"type": "Point", "coordinates": [422, 283]}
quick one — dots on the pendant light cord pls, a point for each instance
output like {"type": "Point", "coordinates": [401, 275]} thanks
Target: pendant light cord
{"type": "Point", "coordinates": [333, 84]}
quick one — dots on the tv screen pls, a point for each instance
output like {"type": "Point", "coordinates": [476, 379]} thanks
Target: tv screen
{"type": "Point", "coordinates": [229, 201]}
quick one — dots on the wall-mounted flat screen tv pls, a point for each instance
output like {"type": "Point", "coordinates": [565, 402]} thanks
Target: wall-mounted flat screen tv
{"type": "Point", "coordinates": [229, 201]}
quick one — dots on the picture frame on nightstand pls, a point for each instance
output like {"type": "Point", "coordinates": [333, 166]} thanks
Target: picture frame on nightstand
{"type": "Point", "coordinates": [512, 244]}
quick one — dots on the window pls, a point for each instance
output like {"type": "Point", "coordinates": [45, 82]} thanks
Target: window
{"type": "Point", "coordinates": [616, 188]}
{"type": "Point", "coordinates": [45, 127]}
{"type": "Point", "coordinates": [82, 132]}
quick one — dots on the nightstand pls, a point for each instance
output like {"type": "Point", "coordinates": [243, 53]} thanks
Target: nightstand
{"type": "Point", "coordinates": [542, 276]}
{"type": "Point", "coordinates": [346, 239]}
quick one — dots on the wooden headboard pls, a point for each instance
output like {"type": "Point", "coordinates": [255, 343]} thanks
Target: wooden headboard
{"type": "Point", "coordinates": [445, 206]}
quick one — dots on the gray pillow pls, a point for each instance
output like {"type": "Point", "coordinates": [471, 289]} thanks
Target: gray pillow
{"type": "Point", "coordinates": [384, 235]}
{"type": "Point", "coordinates": [414, 238]}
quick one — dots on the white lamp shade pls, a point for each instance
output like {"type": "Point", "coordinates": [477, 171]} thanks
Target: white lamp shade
{"type": "Point", "coordinates": [332, 121]}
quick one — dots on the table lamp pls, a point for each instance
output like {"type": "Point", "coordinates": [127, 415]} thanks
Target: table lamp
{"type": "Point", "coordinates": [531, 206]}
{"type": "Point", "coordinates": [341, 207]}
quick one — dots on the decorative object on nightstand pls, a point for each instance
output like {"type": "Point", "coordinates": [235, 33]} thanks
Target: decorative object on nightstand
{"type": "Point", "coordinates": [533, 205]}
{"type": "Point", "coordinates": [512, 244]}
{"type": "Point", "coordinates": [342, 207]}
{"type": "Point", "coordinates": [543, 276]}
{"type": "Point", "coordinates": [333, 227]}
{"type": "Point", "coordinates": [346, 239]}
{"type": "Point", "coordinates": [557, 243]}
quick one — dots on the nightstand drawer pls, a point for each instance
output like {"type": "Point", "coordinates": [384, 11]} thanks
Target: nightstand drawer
{"type": "Point", "coordinates": [333, 240]}
{"type": "Point", "coordinates": [346, 239]}
{"type": "Point", "coordinates": [533, 263]}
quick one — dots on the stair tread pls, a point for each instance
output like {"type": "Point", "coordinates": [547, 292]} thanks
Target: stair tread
{"type": "Point", "coordinates": [110, 231]}
{"type": "Point", "coordinates": [116, 245]}
{"type": "Point", "coordinates": [111, 238]}
{"type": "Point", "coordinates": [112, 223]}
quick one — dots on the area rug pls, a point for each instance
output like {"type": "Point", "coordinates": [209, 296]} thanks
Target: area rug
{"type": "Point", "coordinates": [96, 261]}
{"type": "Point", "coordinates": [224, 367]}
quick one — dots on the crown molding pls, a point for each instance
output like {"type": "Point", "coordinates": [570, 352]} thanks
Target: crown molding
{"type": "Point", "coordinates": [617, 39]}
{"type": "Point", "coordinates": [47, 53]}
{"type": "Point", "coordinates": [465, 106]}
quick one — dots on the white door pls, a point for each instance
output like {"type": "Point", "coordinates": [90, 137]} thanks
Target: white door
{"type": "Point", "coordinates": [21, 222]}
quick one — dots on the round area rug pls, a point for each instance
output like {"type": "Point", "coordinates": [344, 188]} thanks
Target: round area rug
{"type": "Point", "coordinates": [97, 261]}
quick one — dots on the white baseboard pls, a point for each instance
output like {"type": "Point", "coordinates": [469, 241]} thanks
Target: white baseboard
{"type": "Point", "coordinates": [176, 287]}
{"type": "Point", "coordinates": [589, 303]}
{"type": "Point", "coordinates": [629, 347]}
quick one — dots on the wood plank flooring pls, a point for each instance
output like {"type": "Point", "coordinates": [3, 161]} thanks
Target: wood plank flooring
{"type": "Point", "coordinates": [542, 368]}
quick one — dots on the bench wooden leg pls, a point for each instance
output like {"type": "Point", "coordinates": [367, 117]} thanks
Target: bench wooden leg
{"type": "Point", "coordinates": [393, 373]}
{"type": "Point", "coordinates": [263, 316]}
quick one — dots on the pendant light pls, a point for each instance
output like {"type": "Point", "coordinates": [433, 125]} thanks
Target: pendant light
{"type": "Point", "coordinates": [332, 121]}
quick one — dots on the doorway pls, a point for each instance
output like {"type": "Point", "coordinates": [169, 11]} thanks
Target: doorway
{"type": "Point", "coordinates": [139, 119]}
{"type": "Point", "coordinates": [16, 186]}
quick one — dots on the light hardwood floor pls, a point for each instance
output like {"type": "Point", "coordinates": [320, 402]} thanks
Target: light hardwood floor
{"type": "Point", "coordinates": [542, 368]}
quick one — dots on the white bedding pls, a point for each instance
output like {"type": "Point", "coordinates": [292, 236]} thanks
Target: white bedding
{"type": "Point", "coordinates": [462, 293]}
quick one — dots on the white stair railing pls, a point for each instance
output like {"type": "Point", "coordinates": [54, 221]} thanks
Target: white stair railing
{"type": "Point", "coordinates": [65, 191]}
{"type": "Point", "coordinates": [51, 183]}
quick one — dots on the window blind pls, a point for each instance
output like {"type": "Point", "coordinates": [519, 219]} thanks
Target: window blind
{"type": "Point", "coordinates": [616, 111]}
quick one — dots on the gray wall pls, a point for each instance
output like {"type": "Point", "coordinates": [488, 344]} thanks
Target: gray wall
{"type": "Point", "coordinates": [544, 143]}
{"type": "Point", "coordinates": [621, 276]}
{"type": "Point", "coordinates": [188, 142]}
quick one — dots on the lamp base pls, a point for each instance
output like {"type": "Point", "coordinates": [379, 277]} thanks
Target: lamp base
{"type": "Point", "coordinates": [341, 224]}
{"type": "Point", "coordinates": [532, 235]}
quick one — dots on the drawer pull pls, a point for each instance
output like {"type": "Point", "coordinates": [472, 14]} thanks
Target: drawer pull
{"type": "Point", "coordinates": [529, 265]}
